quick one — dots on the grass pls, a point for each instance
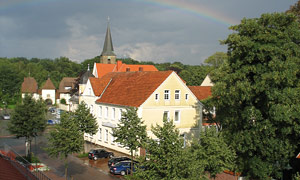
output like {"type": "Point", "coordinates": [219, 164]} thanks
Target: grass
{"type": "Point", "coordinates": [83, 155]}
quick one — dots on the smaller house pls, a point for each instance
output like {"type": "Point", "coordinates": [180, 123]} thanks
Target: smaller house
{"type": "Point", "coordinates": [30, 86]}
{"type": "Point", "coordinates": [65, 87]}
{"type": "Point", "coordinates": [48, 92]}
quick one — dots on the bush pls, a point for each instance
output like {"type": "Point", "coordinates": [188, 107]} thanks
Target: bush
{"type": "Point", "coordinates": [63, 101]}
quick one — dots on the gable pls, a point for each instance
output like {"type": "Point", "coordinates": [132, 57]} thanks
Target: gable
{"type": "Point", "coordinates": [172, 84]}
{"type": "Point", "coordinates": [88, 91]}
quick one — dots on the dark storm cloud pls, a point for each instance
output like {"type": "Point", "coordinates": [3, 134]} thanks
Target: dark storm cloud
{"type": "Point", "coordinates": [141, 30]}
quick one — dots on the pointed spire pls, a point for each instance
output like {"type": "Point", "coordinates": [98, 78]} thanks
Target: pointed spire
{"type": "Point", "coordinates": [108, 49]}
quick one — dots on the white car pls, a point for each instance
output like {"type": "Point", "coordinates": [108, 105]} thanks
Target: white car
{"type": "Point", "coordinates": [6, 117]}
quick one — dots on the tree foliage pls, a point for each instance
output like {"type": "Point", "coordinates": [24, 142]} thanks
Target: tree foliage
{"type": "Point", "coordinates": [295, 9]}
{"type": "Point", "coordinates": [65, 139]}
{"type": "Point", "coordinates": [86, 122]}
{"type": "Point", "coordinates": [257, 93]}
{"type": "Point", "coordinates": [216, 60]}
{"type": "Point", "coordinates": [213, 153]}
{"type": "Point", "coordinates": [130, 131]}
{"type": "Point", "coordinates": [28, 118]}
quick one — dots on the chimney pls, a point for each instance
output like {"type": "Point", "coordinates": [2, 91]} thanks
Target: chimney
{"type": "Point", "coordinates": [119, 64]}
{"type": "Point", "coordinates": [141, 69]}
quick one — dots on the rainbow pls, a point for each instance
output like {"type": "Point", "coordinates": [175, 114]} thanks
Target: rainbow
{"type": "Point", "coordinates": [195, 9]}
{"type": "Point", "coordinates": [184, 6]}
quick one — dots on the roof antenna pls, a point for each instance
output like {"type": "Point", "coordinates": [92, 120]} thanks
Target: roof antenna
{"type": "Point", "coordinates": [88, 67]}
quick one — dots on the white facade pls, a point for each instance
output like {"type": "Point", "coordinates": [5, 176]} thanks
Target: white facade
{"type": "Point", "coordinates": [108, 116]}
{"type": "Point", "coordinates": [207, 81]}
{"type": "Point", "coordinates": [48, 94]}
{"type": "Point", "coordinates": [65, 96]}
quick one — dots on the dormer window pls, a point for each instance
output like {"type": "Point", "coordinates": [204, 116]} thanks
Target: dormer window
{"type": "Point", "coordinates": [141, 68]}
{"type": "Point", "coordinates": [127, 69]}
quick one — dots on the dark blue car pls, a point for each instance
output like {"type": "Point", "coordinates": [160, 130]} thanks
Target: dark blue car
{"type": "Point", "coordinates": [123, 168]}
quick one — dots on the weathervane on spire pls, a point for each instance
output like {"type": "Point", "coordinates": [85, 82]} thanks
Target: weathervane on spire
{"type": "Point", "coordinates": [107, 19]}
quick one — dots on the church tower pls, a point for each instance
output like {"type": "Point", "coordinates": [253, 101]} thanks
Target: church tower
{"type": "Point", "coordinates": [108, 56]}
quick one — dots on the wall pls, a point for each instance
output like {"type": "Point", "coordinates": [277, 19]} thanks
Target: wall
{"type": "Point", "coordinates": [48, 94]}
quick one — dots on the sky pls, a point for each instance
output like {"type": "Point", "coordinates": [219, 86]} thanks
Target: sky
{"type": "Point", "coordinates": [186, 31]}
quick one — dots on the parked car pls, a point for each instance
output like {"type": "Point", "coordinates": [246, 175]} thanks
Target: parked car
{"type": "Point", "coordinates": [53, 121]}
{"type": "Point", "coordinates": [6, 116]}
{"type": "Point", "coordinates": [52, 110]}
{"type": "Point", "coordinates": [115, 160]}
{"type": "Point", "coordinates": [100, 153]}
{"type": "Point", "coordinates": [123, 168]}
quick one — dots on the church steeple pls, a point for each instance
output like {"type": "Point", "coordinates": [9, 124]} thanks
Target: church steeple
{"type": "Point", "coordinates": [108, 56]}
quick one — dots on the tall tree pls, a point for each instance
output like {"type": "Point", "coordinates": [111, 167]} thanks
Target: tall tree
{"type": "Point", "coordinates": [213, 153]}
{"type": "Point", "coordinates": [166, 157]}
{"type": "Point", "coordinates": [65, 139]}
{"type": "Point", "coordinates": [28, 119]}
{"type": "Point", "coordinates": [130, 131]}
{"type": "Point", "coordinates": [87, 123]}
{"type": "Point", "coordinates": [295, 9]}
{"type": "Point", "coordinates": [217, 59]}
{"type": "Point", "coordinates": [256, 93]}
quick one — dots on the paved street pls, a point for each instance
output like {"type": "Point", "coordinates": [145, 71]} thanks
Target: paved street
{"type": "Point", "coordinates": [78, 169]}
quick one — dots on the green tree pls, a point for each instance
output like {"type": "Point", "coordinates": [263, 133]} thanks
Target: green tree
{"type": "Point", "coordinates": [65, 139]}
{"type": "Point", "coordinates": [256, 93]}
{"type": "Point", "coordinates": [217, 59]}
{"type": "Point", "coordinates": [213, 153]}
{"type": "Point", "coordinates": [130, 131]}
{"type": "Point", "coordinates": [166, 157]}
{"type": "Point", "coordinates": [28, 119]}
{"type": "Point", "coordinates": [86, 122]}
{"type": "Point", "coordinates": [295, 9]}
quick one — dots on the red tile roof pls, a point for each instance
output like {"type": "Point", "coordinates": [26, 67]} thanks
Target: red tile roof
{"type": "Point", "coordinates": [131, 88]}
{"type": "Point", "coordinates": [99, 84]}
{"type": "Point", "coordinates": [48, 84]}
{"type": "Point", "coordinates": [103, 69]}
{"type": "Point", "coordinates": [29, 85]}
{"type": "Point", "coordinates": [201, 92]}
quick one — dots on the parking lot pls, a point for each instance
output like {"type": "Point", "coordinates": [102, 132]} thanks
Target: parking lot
{"type": "Point", "coordinates": [100, 164]}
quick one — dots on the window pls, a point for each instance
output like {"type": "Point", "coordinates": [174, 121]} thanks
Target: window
{"type": "Point", "coordinates": [120, 114]}
{"type": "Point", "coordinates": [112, 138]}
{"type": "Point", "coordinates": [113, 115]}
{"type": "Point", "coordinates": [166, 115]}
{"type": "Point", "coordinates": [100, 134]}
{"type": "Point", "coordinates": [186, 96]}
{"type": "Point", "coordinates": [177, 116]}
{"type": "Point", "coordinates": [100, 111]}
{"type": "Point", "coordinates": [106, 135]}
{"type": "Point", "coordinates": [156, 97]}
{"type": "Point", "coordinates": [177, 94]}
{"type": "Point", "coordinates": [167, 94]}
{"type": "Point", "coordinates": [90, 91]}
{"type": "Point", "coordinates": [106, 112]}
{"type": "Point", "coordinates": [91, 109]}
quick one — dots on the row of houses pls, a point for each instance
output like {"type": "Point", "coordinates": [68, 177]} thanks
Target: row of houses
{"type": "Point", "coordinates": [113, 86]}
